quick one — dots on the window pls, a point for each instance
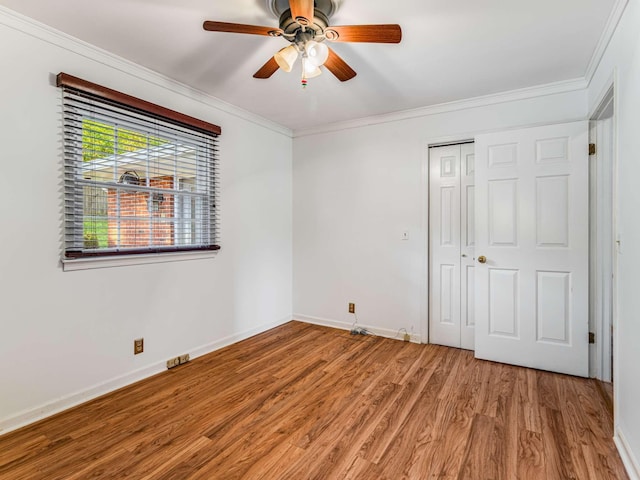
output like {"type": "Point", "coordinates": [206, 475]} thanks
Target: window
{"type": "Point", "coordinates": [138, 178]}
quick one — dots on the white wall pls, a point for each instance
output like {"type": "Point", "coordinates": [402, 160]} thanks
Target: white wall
{"type": "Point", "coordinates": [66, 336]}
{"type": "Point", "coordinates": [622, 63]}
{"type": "Point", "coordinates": [357, 189]}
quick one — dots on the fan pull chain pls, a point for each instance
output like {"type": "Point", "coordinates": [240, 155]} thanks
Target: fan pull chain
{"type": "Point", "coordinates": [304, 81]}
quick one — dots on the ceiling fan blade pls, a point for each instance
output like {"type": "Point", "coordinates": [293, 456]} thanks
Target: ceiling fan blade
{"type": "Point", "coordinates": [389, 33]}
{"type": "Point", "coordinates": [241, 28]}
{"type": "Point", "coordinates": [267, 69]}
{"type": "Point", "coordinates": [302, 11]}
{"type": "Point", "coordinates": [339, 67]}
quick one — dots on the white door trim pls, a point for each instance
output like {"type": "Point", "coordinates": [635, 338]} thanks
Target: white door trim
{"type": "Point", "coordinates": [604, 236]}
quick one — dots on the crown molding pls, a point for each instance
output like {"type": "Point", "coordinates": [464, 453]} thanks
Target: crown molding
{"type": "Point", "coordinates": [29, 26]}
{"type": "Point", "coordinates": [34, 28]}
{"type": "Point", "coordinates": [475, 102]}
{"type": "Point", "coordinates": [513, 95]}
{"type": "Point", "coordinates": [605, 38]}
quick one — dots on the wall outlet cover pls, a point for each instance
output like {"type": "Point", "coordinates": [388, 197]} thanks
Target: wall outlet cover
{"type": "Point", "coordinates": [138, 346]}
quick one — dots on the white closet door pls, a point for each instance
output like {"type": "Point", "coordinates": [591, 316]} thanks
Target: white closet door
{"type": "Point", "coordinates": [451, 201]}
{"type": "Point", "coordinates": [467, 245]}
{"type": "Point", "coordinates": [532, 227]}
{"type": "Point", "coordinates": [444, 265]}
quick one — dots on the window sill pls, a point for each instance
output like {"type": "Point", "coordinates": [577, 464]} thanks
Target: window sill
{"type": "Point", "coordinates": [70, 265]}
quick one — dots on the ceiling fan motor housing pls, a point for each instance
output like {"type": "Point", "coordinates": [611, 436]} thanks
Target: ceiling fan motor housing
{"type": "Point", "coordinates": [327, 7]}
{"type": "Point", "coordinates": [293, 31]}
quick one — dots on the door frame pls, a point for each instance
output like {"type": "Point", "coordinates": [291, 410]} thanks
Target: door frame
{"type": "Point", "coordinates": [604, 337]}
{"type": "Point", "coordinates": [611, 85]}
{"type": "Point", "coordinates": [424, 223]}
{"type": "Point", "coordinates": [465, 256]}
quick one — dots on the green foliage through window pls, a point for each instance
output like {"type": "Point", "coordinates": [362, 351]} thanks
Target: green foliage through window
{"type": "Point", "coordinates": [96, 233]}
{"type": "Point", "coordinates": [101, 140]}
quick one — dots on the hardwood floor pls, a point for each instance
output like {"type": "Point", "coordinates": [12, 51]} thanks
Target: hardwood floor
{"type": "Point", "coordinates": [606, 390]}
{"type": "Point", "coordinates": [307, 402]}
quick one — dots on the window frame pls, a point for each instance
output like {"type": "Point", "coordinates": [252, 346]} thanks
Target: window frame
{"type": "Point", "coordinates": [80, 258]}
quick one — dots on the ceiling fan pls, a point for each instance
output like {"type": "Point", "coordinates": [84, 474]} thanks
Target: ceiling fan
{"type": "Point", "coordinates": [305, 24]}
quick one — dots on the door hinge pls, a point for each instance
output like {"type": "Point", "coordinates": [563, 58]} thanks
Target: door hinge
{"type": "Point", "coordinates": [592, 337]}
{"type": "Point", "coordinates": [592, 149]}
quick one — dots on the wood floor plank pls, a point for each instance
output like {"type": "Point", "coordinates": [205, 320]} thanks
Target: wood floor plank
{"type": "Point", "coordinates": [360, 373]}
{"type": "Point", "coordinates": [483, 457]}
{"type": "Point", "coordinates": [357, 470]}
{"type": "Point", "coordinates": [427, 382]}
{"type": "Point", "coordinates": [507, 417]}
{"type": "Point", "coordinates": [407, 453]}
{"type": "Point", "coordinates": [486, 372]}
{"type": "Point", "coordinates": [547, 391]}
{"type": "Point", "coordinates": [577, 430]}
{"type": "Point", "coordinates": [307, 402]}
{"type": "Point", "coordinates": [489, 404]}
{"type": "Point", "coordinates": [530, 459]}
{"type": "Point", "coordinates": [453, 425]}
{"type": "Point", "coordinates": [335, 449]}
{"type": "Point", "coordinates": [274, 464]}
{"type": "Point", "coordinates": [21, 450]}
{"type": "Point", "coordinates": [526, 391]}
{"type": "Point", "coordinates": [556, 447]}
{"type": "Point", "coordinates": [421, 447]}
{"type": "Point", "coordinates": [271, 424]}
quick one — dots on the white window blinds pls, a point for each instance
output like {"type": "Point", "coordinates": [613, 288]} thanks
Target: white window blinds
{"type": "Point", "coordinates": [138, 178]}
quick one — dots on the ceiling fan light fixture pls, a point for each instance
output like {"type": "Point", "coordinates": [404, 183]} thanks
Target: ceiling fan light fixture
{"type": "Point", "coordinates": [317, 53]}
{"type": "Point", "coordinates": [308, 71]}
{"type": "Point", "coordinates": [286, 57]}
{"type": "Point", "coordinates": [311, 71]}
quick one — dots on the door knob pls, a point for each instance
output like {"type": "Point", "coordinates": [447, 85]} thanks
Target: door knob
{"type": "Point", "coordinates": [482, 259]}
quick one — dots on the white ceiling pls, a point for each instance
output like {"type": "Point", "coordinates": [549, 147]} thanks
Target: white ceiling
{"type": "Point", "coordinates": [451, 50]}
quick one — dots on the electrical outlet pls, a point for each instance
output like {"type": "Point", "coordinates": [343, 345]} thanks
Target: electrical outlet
{"type": "Point", "coordinates": [138, 346]}
{"type": "Point", "coordinates": [352, 308]}
{"type": "Point", "coordinates": [173, 362]}
{"type": "Point", "coordinates": [359, 331]}
{"type": "Point", "coordinates": [407, 337]}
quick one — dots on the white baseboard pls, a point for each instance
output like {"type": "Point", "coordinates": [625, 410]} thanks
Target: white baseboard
{"type": "Point", "coordinates": [41, 412]}
{"type": "Point", "coordinates": [626, 454]}
{"type": "Point", "coordinates": [380, 332]}
{"type": "Point", "coordinates": [231, 339]}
